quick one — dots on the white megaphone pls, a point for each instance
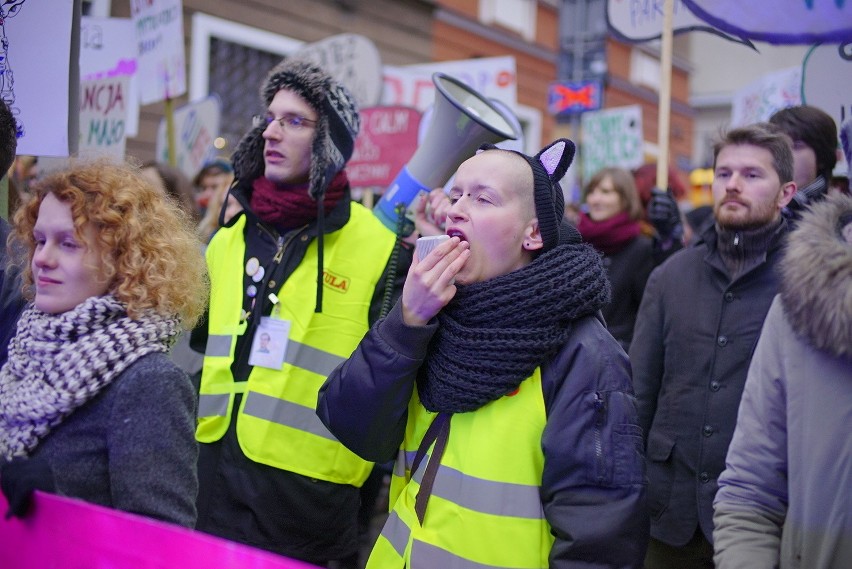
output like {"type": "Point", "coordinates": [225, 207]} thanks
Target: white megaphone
{"type": "Point", "coordinates": [462, 121]}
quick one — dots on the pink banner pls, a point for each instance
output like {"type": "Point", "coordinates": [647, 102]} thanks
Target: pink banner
{"type": "Point", "coordinates": [71, 534]}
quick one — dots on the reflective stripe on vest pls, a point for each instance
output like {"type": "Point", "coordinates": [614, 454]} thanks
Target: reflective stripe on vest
{"type": "Point", "coordinates": [480, 495]}
{"type": "Point", "coordinates": [276, 422]}
{"type": "Point", "coordinates": [299, 355]}
{"type": "Point", "coordinates": [485, 509]}
{"type": "Point", "coordinates": [285, 413]}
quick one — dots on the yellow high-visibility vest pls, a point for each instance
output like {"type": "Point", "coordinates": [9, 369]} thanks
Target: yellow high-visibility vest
{"type": "Point", "coordinates": [485, 507]}
{"type": "Point", "coordinates": [276, 422]}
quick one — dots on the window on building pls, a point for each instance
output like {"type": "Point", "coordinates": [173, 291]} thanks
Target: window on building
{"type": "Point", "coordinates": [644, 70]}
{"type": "Point", "coordinates": [515, 15]}
{"type": "Point", "coordinates": [231, 60]}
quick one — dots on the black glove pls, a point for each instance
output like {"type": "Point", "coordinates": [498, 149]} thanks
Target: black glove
{"type": "Point", "coordinates": [19, 478]}
{"type": "Point", "coordinates": [664, 215]}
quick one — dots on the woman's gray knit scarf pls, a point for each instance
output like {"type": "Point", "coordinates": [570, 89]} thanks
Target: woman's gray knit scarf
{"type": "Point", "coordinates": [58, 362]}
{"type": "Point", "coordinates": [494, 334]}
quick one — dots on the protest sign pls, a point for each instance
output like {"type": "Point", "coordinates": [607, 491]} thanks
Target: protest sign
{"type": "Point", "coordinates": [778, 21]}
{"type": "Point", "coordinates": [196, 127]}
{"type": "Point", "coordinates": [387, 140]}
{"type": "Point", "coordinates": [759, 99]}
{"type": "Point", "coordinates": [107, 49]}
{"type": "Point", "coordinates": [160, 50]}
{"type": "Point", "coordinates": [351, 59]}
{"type": "Point", "coordinates": [412, 86]}
{"type": "Point", "coordinates": [612, 137]}
{"type": "Point", "coordinates": [103, 113]}
{"type": "Point", "coordinates": [37, 72]}
{"type": "Point", "coordinates": [69, 533]}
{"type": "Point", "coordinates": [642, 20]}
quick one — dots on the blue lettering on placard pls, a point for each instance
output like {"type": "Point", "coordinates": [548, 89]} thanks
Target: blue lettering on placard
{"type": "Point", "coordinates": [106, 132]}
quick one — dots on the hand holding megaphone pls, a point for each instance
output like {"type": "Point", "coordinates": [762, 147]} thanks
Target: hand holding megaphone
{"type": "Point", "coordinates": [462, 121]}
{"type": "Point", "coordinates": [430, 212]}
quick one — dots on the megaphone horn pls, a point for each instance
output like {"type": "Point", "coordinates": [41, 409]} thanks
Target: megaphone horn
{"type": "Point", "coordinates": [462, 121]}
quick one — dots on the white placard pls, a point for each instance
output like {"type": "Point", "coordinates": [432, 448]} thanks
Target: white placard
{"type": "Point", "coordinates": [612, 137]}
{"type": "Point", "coordinates": [759, 99]}
{"type": "Point", "coordinates": [196, 127]}
{"type": "Point", "coordinates": [35, 72]}
{"type": "Point", "coordinates": [102, 117]}
{"type": "Point", "coordinates": [107, 49]}
{"type": "Point", "coordinates": [412, 86]}
{"type": "Point", "coordinates": [159, 49]}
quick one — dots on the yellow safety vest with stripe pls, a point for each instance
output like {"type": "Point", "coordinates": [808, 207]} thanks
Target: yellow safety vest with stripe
{"type": "Point", "coordinates": [485, 507]}
{"type": "Point", "coordinates": [277, 423]}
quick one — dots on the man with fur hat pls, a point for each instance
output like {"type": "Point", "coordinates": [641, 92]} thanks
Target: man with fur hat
{"type": "Point", "coordinates": [306, 265]}
{"type": "Point", "coordinates": [495, 384]}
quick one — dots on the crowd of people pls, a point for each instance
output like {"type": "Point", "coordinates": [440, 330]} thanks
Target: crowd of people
{"type": "Point", "coordinates": [629, 388]}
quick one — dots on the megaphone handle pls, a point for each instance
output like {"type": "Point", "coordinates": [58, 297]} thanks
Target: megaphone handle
{"type": "Point", "coordinates": [393, 261]}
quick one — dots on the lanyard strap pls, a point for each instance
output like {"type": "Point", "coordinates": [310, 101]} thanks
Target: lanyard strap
{"type": "Point", "coordinates": [439, 432]}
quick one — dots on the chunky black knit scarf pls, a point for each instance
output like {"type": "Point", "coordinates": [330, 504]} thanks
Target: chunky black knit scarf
{"type": "Point", "coordinates": [493, 334]}
{"type": "Point", "coordinates": [58, 362]}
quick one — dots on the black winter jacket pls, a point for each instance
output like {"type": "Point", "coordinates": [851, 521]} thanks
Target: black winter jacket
{"type": "Point", "coordinates": [695, 335]}
{"type": "Point", "coordinates": [628, 271]}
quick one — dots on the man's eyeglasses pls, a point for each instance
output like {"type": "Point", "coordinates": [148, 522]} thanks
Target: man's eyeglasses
{"type": "Point", "coordinates": [287, 121]}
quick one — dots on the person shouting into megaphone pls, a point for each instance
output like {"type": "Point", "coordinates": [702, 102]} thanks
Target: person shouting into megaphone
{"type": "Point", "coordinates": [495, 384]}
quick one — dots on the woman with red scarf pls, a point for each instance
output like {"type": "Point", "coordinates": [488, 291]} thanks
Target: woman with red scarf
{"type": "Point", "coordinates": [611, 222]}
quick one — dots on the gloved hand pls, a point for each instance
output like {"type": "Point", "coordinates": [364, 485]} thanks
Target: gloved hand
{"type": "Point", "coordinates": [664, 215]}
{"type": "Point", "coordinates": [19, 478]}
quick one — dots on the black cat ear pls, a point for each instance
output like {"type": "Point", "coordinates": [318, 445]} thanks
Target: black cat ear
{"type": "Point", "coordinates": [556, 157]}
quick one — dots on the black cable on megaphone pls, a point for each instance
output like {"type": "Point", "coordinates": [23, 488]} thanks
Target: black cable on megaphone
{"type": "Point", "coordinates": [462, 121]}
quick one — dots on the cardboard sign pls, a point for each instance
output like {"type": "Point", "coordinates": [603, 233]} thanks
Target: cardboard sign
{"type": "Point", "coordinates": [612, 137]}
{"type": "Point", "coordinates": [160, 50]}
{"type": "Point", "coordinates": [63, 532]}
{"type": "Point", "coordinates": [103, 114]}
{"type": "Point", "coordinates": [388, 139]}
{"type": "Point", "coordinates": [351, 59]}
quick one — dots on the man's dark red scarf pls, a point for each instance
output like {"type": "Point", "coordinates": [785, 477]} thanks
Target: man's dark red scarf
{"type": "Point", "coordinates": [288, 207]}
{"type": "Point", "coordinates": [610, 235]}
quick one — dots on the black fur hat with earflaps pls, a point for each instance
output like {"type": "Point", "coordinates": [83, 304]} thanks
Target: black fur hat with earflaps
{"type": "Point", "coordinates": [337, 126]}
